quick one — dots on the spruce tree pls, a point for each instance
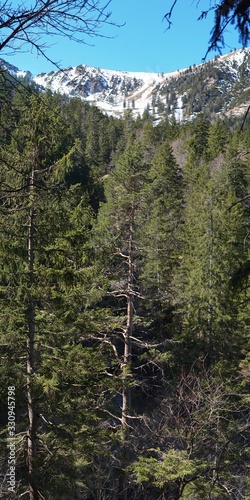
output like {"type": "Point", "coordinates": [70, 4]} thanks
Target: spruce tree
{"type": "Point", "coordinates": [116, 234]}
{"type": "Point", "coordinates": [160, 238]}
{"type": "Point", "coordinates": [211, 250]}
{"type": "Point", "coordinates": [43, 238]}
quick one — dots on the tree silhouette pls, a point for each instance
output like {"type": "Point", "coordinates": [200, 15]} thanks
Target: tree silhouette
{"type": "Point", "coordinates": [236, 12]}
{"type": "Point", "coordinates": [26, 26]}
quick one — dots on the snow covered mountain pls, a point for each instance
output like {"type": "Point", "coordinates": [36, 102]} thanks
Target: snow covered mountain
{"type": "Point", "coordinates": [112, 91]}
{"type": "Point", "coordinates": [13, 70]}
{"type": "Point", "coordinates": [220, 86]}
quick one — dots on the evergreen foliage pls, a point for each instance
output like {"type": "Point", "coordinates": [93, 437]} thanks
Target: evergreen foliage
{"type": "Point", "coordinates": [124, 293]}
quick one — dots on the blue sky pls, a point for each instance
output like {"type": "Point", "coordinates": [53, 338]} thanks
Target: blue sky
{"type": "Point", "coordinates": [143, 44]}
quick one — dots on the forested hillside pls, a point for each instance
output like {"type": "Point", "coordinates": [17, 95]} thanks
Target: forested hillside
{"type": "Point", "coordinates": [124, 303]}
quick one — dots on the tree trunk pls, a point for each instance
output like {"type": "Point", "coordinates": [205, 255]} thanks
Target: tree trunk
{"type": "Point", "coordinates": [126, 375]}
{"type": "Point", "coordinates": [31, 432]}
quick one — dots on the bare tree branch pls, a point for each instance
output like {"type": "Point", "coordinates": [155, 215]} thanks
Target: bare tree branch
{"type": "Point", "coordinates": [26, 27]}
{"type": "Point", "coordinates": [226, 12]}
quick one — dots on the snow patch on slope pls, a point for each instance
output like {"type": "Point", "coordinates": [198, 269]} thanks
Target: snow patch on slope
{"type": "Point", "coordinates": [116, 91]}
{"type": "Point", "coordinates": [110, 90]}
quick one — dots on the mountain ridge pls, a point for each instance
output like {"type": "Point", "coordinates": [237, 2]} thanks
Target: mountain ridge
{"type": "Point", "coordinates": [219, 86]}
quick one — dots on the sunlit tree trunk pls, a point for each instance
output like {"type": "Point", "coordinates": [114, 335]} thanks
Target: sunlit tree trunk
{"type": "Point", "coordinates": [126, 397]}
{"type": "Point", "coordinates": [126, 365]}
{"type": "Point", "coordinates": [32, 424]}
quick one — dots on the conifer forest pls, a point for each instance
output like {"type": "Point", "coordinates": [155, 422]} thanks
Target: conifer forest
{"type": "Point", "coordinates": [124, 303]}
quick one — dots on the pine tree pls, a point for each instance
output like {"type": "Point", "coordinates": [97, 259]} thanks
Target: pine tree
{"type": "Point", "coordinates": [160, 235]}
{"type": "Point", "coordinates": [43, 235]}
{"type": "Point", "coordinates": [211, 249]}
{"type": "Point", "coordinates": [116, 233]}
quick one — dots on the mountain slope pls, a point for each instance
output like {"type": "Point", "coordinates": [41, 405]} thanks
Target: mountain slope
{"type": "Point", "coordinates": [220, 86]}
{"type": "Point", "coordinates": [110, 90]}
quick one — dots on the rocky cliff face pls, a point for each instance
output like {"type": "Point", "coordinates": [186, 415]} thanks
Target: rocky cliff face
{"type": "Point", "coordinates": [220, 86]}
{"type": "Point", "coordinates": [112, 91]}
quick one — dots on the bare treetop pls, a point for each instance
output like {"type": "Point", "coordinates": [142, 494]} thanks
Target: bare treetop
{"type": "Point", "coordinates": [226, 12]}
{"type": "Point", "coordinates": [27, 25]}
